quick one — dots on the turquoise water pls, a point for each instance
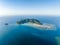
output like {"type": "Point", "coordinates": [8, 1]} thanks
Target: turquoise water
{"type": "Point", "coordinates": [26, 35]}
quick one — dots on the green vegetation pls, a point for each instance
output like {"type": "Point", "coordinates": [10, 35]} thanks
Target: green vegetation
{"type": "Point", "coordinates": [29, 21]}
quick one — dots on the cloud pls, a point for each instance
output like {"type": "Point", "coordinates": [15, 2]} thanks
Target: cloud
{"type": "Point", "coordinates": [5, 12]}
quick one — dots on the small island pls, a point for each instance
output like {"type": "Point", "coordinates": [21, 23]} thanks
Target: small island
{"type": "Point", "coordinates": [6, 23]}
{"type": "Point", "coordinates": [29, 21]}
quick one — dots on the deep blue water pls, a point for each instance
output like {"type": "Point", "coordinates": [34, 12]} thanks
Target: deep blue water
{"type": "Point", "coordinates": [26, 35]}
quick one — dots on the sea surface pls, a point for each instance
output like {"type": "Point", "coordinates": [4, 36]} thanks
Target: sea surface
{"type": "Point", "coordinates": [13, 34]}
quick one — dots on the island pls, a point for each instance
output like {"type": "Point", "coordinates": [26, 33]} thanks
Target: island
{"type": "Point", "coordinates": [6, 23]}
{"type": "Point", "coordinates": [29, 21]}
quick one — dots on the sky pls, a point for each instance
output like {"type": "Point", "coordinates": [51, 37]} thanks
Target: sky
{"type": "Point", "coordinates": [29, 7]}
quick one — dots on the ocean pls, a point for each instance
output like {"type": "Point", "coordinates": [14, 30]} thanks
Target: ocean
{"type": "Point", "coordinates": [13, 34]}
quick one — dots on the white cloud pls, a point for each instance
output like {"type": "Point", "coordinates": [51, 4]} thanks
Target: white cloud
{"type": "Point", "coordinates": [7, 11]}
